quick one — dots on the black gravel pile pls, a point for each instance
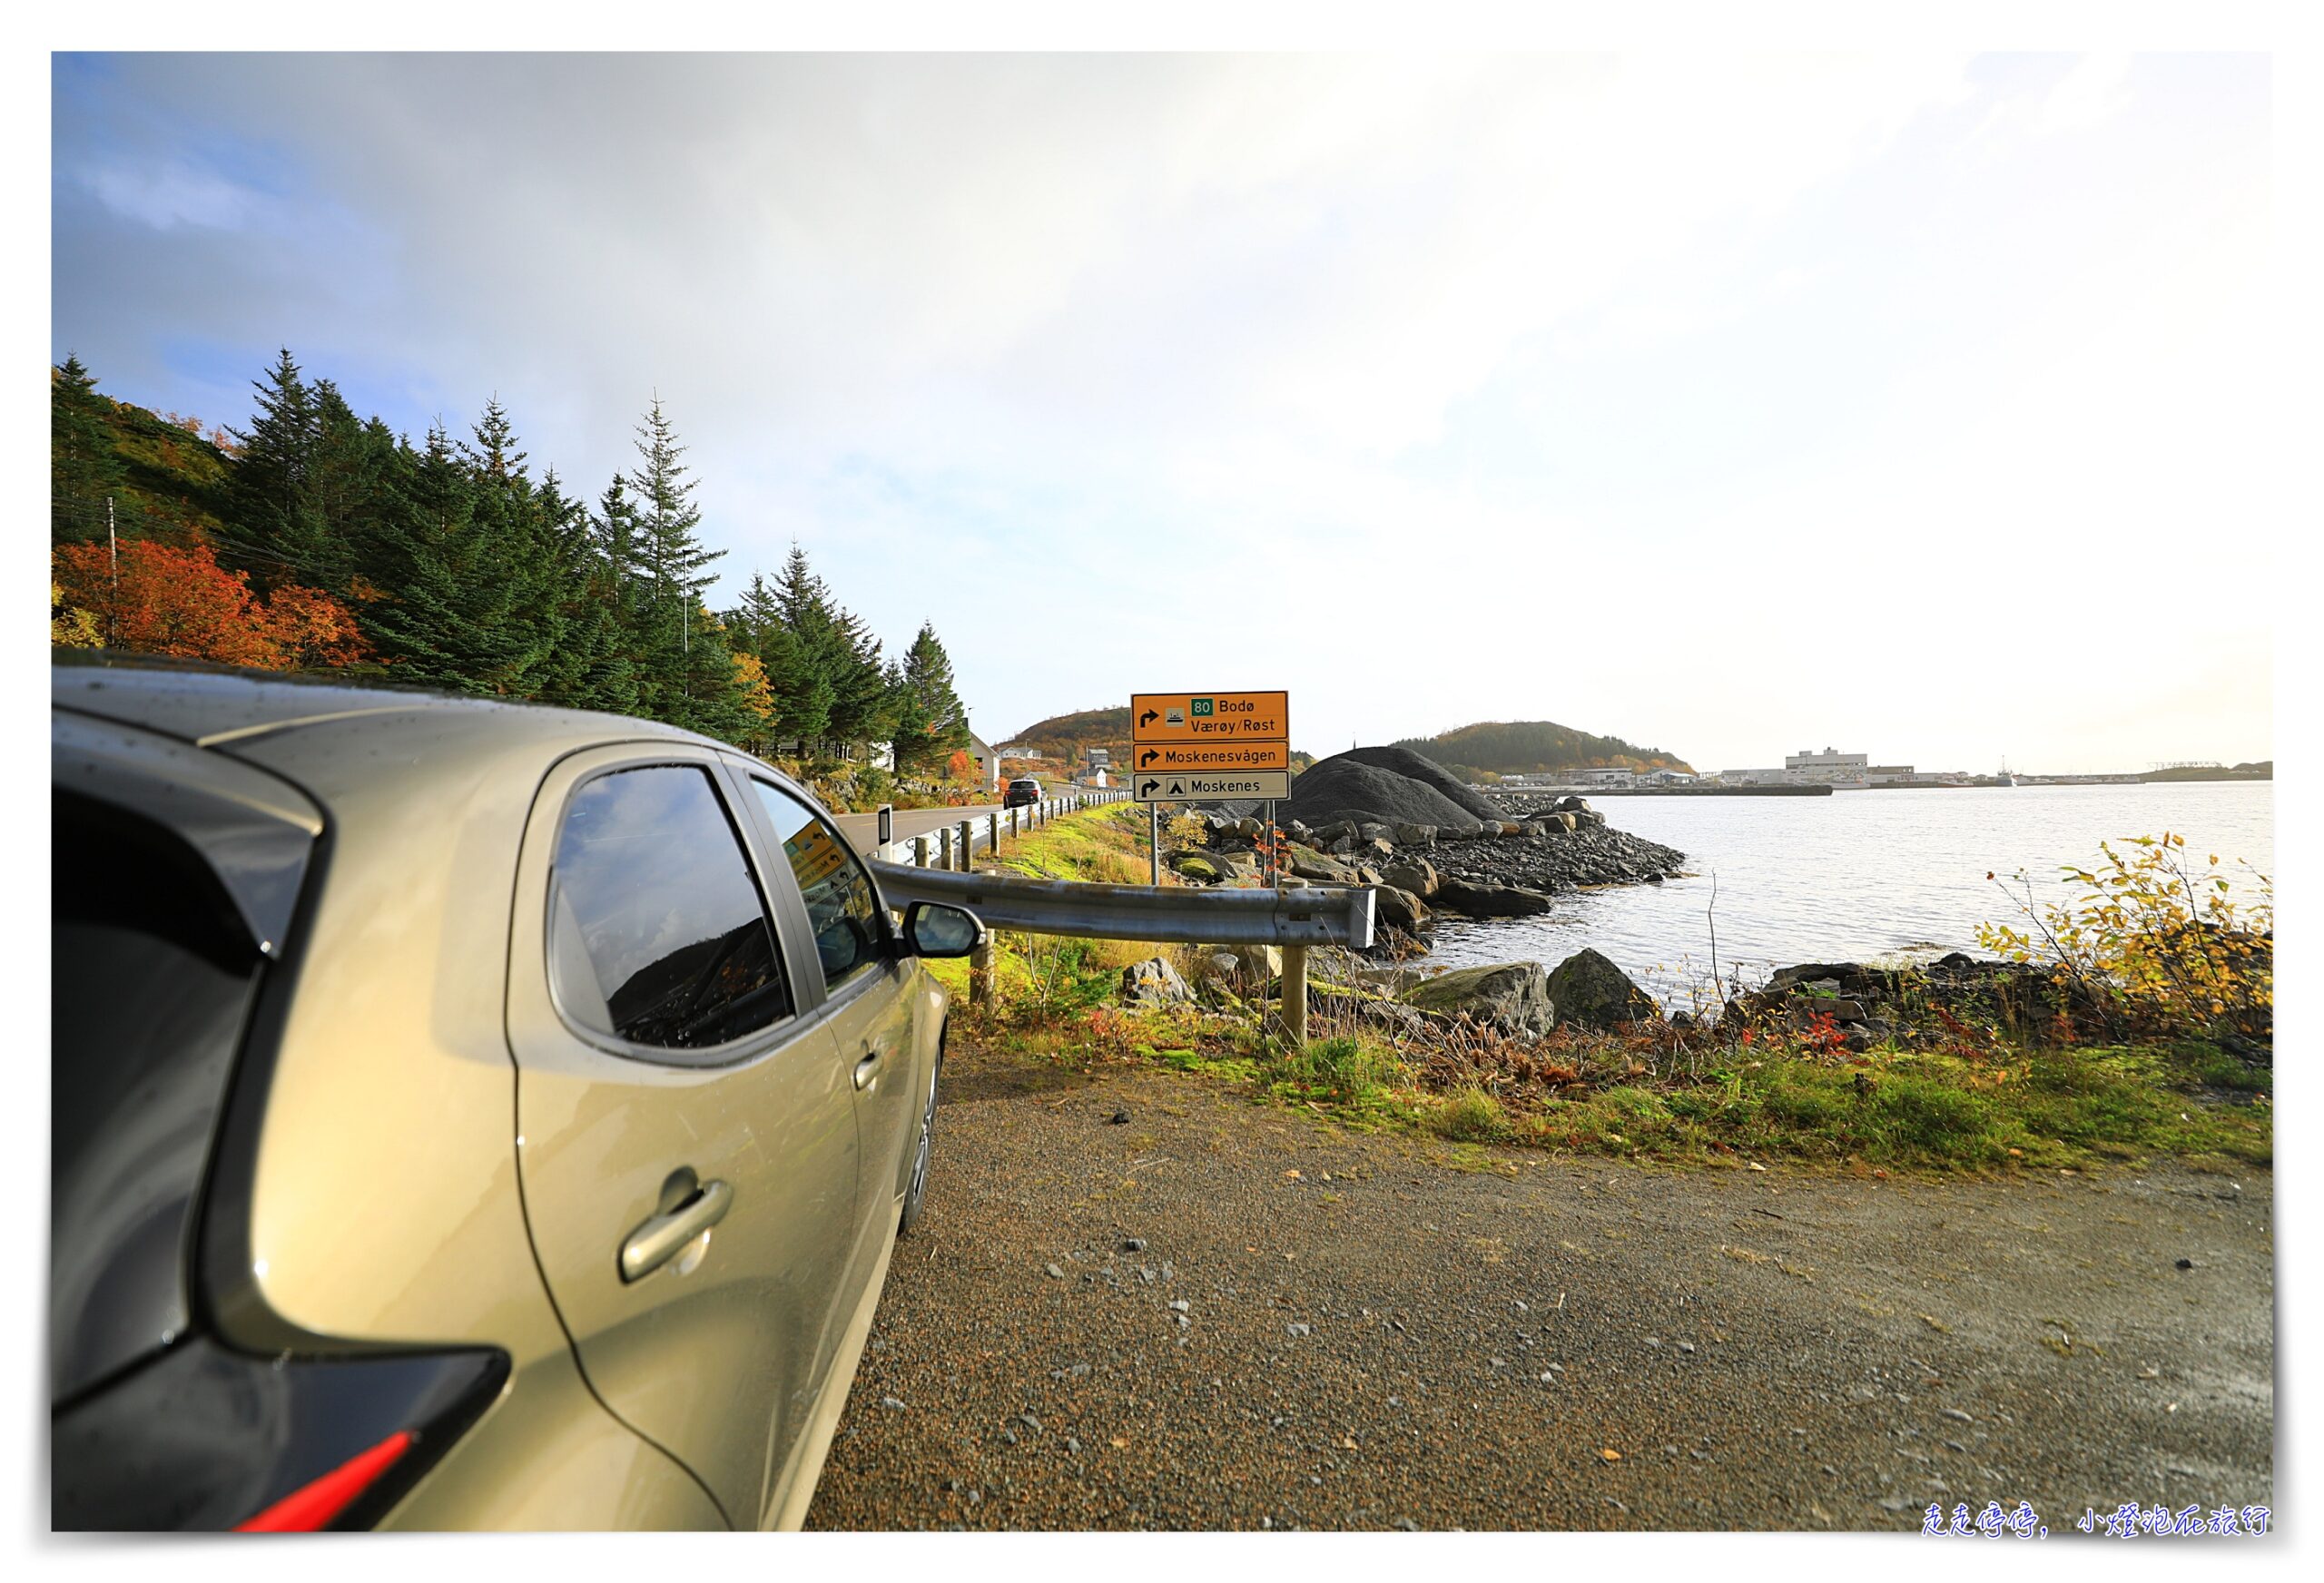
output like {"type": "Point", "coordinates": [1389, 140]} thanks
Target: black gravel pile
{"type": "Point", "coordinates": [1379, 786]}
{"type": "Point", "coordinates": [1414, 766]}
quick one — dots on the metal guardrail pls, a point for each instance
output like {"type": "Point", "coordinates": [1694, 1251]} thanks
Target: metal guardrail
{"type": "Point", "coordinates": [1293, 917]}
{"type": "Point", "coordinates": [1317, 916]}
{"type": "Point", "coordinates": [946, 846]}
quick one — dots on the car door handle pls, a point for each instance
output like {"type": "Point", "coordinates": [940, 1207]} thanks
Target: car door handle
{"type": "Point", "coordinates": [657, 1242]}
{"type": "Point", "coordinates": [867, 1073]}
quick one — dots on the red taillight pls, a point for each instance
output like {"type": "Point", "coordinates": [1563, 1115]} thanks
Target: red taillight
{"type": "Point", "coordinates": [311, 1507]}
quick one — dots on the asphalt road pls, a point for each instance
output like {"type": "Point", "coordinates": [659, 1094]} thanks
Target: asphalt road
{"type": "Point", "coordinates": [1326, 1330]}
{"type": "Point", "coordinates": [861, 829]}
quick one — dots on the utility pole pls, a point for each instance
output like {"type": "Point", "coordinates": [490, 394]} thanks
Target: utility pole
{"type": "Point", "coordinates": [113, 557]}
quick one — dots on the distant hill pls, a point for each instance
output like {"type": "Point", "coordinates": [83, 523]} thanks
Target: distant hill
{"type": "Point", "coordinates": [1516, 747]}
{"type": "Point", "coordinates": [1063, 736]}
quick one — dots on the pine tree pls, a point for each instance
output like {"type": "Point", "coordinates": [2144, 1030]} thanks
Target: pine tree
{"type": "Point", "coordinates": [929, 720]}
{"type": "Point", "coordinates": [685, 670]}
{"type": "Point", "coordinates": [468, 590]}
{"type": "Point", "coordinates": [268, 504]}
{"type": "Point", "coordinates": [83, 466]}
{"type": "Point", "coordinates": [838, 651]}
{"type": "Point", "coordinates": [589, 667]}
{"type": "Point", "coordinates": [802, 699]}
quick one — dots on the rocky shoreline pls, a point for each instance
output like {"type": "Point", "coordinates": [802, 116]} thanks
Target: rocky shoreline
{"type": "Point", "coordinates": [1486, 868]}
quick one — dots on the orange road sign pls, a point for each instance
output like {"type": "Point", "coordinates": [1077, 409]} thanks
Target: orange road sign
{"type": "Point", "coordinates": [1210, 717]}
{"type": "Point", "coordinates": [1225, 756]}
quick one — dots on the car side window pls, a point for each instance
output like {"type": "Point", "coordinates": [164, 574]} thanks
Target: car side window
{"type": "Point", "coordinates": [657, 934]}
{"type": "Point", "coordinates": [841, 905]}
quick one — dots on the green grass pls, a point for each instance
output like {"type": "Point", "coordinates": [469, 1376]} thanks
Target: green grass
{"type": "Point", "coordinates": [2066, 1108]}
{"type": "Point", "coordinates": [1471, 1116]}
{"type": "Point", "coordinates": [2024, 1107]}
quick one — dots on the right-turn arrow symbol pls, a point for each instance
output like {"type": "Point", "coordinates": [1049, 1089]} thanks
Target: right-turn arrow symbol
{"type": "Point", "coordinates": [1148, 787]}
{"type": "Point", "coordinates": [1148, 718]}
{"type": "Point", "coordinates": [1147, 757]}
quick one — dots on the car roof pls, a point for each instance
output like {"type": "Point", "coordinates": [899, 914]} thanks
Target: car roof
{"type": "Point", "coordinates": [217, 706]}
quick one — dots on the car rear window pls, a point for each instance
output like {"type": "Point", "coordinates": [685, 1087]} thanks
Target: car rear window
{"type": "Point", "coordinates": [658, 935]}
{"type": "Point", "coordinates": [151, 979]}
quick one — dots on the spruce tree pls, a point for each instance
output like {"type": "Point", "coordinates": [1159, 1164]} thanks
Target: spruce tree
{"type": "Point", "coordinates": [469, 588]}
{"type": "Point", "coordinates": [931, 723]}
{"type": "Point", "coordinates": [83, 466]}
{"type": "Point", "coordinates": [838, 651]}
{"type": "Point", "coordinates": [802, 699]}
{"type": "Point", "coordinates": [685, 669]}
{"type": "Point", "coordinates": [268, 505]}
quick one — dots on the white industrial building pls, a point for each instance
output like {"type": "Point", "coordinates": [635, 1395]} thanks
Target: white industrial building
{"type": "Point", "coordinates": [1805, 768]}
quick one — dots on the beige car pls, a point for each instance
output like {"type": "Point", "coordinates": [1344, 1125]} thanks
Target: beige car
{"type": "Point", "coordinates": [466, 1115]}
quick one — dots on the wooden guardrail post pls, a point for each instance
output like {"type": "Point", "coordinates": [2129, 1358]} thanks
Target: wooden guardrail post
{"type": "Point", "coordinates": [919, 851]}
{"type": "Point", "coordinates": [1294, 995]}
{"type": "Point", "coordinates": [980, 973]}
{"type": "Point", "coordinates": [960, 849]}
{"type": "Point", "coordinates": [992, 842]}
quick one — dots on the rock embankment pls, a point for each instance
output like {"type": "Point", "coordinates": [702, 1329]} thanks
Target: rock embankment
{"type": "Point", "coordinates": [1492, 868]}
{"type": "Point", "coordinates": [1389, 818]}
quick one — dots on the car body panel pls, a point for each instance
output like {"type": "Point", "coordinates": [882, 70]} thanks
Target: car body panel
{"type": "Point", "coordinates": [719, 1362]}
{"type": "Point", "coordinates": [548, 1456]}
{"type": "Point", "coordinates": [366, 1192]}
{"type": "Point", "coordinates": [874, 1016]}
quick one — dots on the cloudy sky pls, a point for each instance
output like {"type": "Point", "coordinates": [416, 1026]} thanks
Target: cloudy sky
{"type": "Point", "coordinates": [1733, 405]}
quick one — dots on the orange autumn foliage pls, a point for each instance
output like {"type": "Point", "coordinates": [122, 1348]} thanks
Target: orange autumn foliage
{"type": "Point", "coordinates": [311, 629]}
{"type": "Point", "coordinates": [180, 602]}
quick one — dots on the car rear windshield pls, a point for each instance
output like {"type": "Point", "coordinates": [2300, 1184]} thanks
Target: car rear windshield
{"type": "Point", "coordinates": [150, 981]}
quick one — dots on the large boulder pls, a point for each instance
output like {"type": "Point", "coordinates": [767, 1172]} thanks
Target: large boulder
{"type": "Point", "coordinates": [1154, 983]}
{"type": "Point", "coordinates": [1203, 868]}
{"type": "Point", "coordinates": [1245, 969]}
{"type": "Point", "coordinates": [1400, 907]}
{"type": "Point", "coordinates": [1415, 835]}
{"type": "Point", "coordinates": [1512, 997]}
{"type": "Point", "coordinates": [1590, 990]}
{"type": "Point", "coordinates": [1309, 864]}
{"type": "Point", "coordinates": [1485, 898]}
{"type": "Point", "coordinates": [1417, 875]}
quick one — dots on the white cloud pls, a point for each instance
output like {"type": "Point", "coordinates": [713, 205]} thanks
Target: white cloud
{"type": "Point", "coordinates": [2094, 92]}
{"type": "Point", "coordinates": [1641, 393]}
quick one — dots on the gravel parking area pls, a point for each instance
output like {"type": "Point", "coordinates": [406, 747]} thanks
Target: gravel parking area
{"type": "Point", "coordinates": [1221, 1314]}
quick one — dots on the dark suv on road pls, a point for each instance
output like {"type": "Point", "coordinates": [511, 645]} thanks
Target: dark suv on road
{"type": "Point", "coordinates": [1022, 792]}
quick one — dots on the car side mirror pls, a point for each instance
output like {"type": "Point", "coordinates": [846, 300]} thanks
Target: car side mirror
{"type": "Point", "coordinates": [931, 928]}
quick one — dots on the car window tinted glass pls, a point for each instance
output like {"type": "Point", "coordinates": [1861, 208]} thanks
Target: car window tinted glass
{"type": "Point", "coordinates": [841, 903]}
{"type": "Point", "coordinates": [656, 932]}
{"type": "Point", "coordinates": [151, 979]}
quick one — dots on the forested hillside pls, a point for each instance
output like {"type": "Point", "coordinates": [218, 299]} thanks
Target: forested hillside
{"type": "Point", "coordinates": [314, 539]}
{"type": "Point", "coordinates": [1520, 746]}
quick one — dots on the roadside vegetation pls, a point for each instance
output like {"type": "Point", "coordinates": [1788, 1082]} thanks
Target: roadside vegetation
{"type": "Point", "coordinates": [312, 540]}
{"type": "Point", "coordinates": [2110, 1069]}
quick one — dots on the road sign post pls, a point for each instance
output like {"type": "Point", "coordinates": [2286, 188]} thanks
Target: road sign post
{"type": "Point", "coordinates": [1208, 747]}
